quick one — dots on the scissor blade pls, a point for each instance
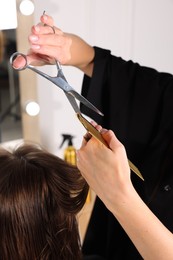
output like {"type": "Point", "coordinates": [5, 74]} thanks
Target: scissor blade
{"type": "Point", "coordinates": [85, 102]}
{"type": "Point", "coordinates": [73, 102]}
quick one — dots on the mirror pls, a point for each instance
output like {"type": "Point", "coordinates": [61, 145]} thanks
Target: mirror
{"type": "Point", "coordinates": [10, 114]}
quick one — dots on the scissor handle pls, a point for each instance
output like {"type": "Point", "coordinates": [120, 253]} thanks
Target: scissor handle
{"type": "Point", "coordinates": [14, 56]}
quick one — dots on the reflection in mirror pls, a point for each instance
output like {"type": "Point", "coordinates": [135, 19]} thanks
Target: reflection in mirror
{"type": "Point", "coordinates": [10, 114]}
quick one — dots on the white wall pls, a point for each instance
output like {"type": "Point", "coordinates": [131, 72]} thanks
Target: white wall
{"type": "Point", "coordinates": [153, 34]}
{"type": "Point", "coordinates": [141, 30]}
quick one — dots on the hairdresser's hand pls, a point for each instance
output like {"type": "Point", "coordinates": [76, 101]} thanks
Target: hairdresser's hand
{"type": "Point", "coordinates": [48, 43]}
{"type": "Point", "coordinates": [105, 169]}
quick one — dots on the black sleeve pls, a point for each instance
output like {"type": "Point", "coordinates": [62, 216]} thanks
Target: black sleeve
{"type": "Point", "coordinates": [137, 103]}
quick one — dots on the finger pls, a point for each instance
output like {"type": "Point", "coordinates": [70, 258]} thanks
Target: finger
{"type": "Point", "coordinates": [19, 62]}
{"type": "Point", "coordinates": [47, 54]}
{"type": "Point", "coordinates": [39, 59]}
{"type": "Point", "coordinates": [87, 136]}
{"type": "Point", "coordinates": [85, 140]}
{"type": "Point", "coordinates": [103, 130]}
{"type": "Point", "coordinates": [111, 140]}
{"type": "Point", "coordinates": [53, 40]}
{"type": "Point", "coordinates": [93, 123]}
{"type": "Point", "coordinates": [98, 127]}
{"type": "Point", "coordinates": [78, 159]}
{"type": "Point", "coordinates": [46, 19]}
{"type": "Point", "coordinates": [45, 29]}
{"type": "Point", "coordinates": [59, 53]}
{"type": "Point", "coordinates": [82, 163]}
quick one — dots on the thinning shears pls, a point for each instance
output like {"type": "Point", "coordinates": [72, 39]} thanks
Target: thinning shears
{"type": "Point", "coordinates": [71, 94]}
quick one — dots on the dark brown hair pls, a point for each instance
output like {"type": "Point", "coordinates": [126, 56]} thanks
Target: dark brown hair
{"type": "Point", "coordinates": [40, 195]}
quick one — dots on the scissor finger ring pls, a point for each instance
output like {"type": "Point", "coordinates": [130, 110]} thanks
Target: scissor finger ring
{"type": "Point", "coordinates": [14, 56]}
{"type": "Point", "coordinates": [52, 27]}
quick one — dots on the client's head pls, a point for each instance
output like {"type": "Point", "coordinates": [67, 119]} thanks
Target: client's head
{"type": "Point", "coordinates": [40, 195]}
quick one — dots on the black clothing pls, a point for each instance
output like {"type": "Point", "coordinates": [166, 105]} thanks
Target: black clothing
{"type": "Point", "coordinates": [137, 103]}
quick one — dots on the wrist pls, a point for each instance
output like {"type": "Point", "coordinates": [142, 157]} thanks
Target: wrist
{"type": "Point", "coordinates": [82, 54]}
{"type": "Point", "coordinates": [119, 200]}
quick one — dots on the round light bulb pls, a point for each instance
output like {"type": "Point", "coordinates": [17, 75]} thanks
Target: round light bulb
{"type": "Point", "coordinates": [32, 108]}
{"type": "Point", "coordinates": [26, 7]}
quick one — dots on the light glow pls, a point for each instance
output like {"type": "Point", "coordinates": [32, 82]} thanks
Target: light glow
{"type": "Point", "coordinates": [32, 108]}
{"type": "Point", "coordinates": [26, 7]}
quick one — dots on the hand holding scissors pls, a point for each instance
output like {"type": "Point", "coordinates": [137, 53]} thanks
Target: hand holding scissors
{"type": "Point", "coordinates": [61, 82]}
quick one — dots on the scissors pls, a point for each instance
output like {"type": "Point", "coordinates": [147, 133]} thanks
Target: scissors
{"type": "Point", "coordinates": [71, 94]}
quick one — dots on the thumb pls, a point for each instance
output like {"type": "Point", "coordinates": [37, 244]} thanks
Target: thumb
{"type": "Point", "coordinates": [111, 139]}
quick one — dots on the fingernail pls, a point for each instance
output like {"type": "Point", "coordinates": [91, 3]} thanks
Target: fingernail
{"type": "Point", "coordinates": [103, 131]}
{"type": "Point", "coordinates": [37, 28]}
{"type": "Point", "coordinates": [33, 38]}
{"type": "Point", "coordinates": [35, 47]}
{"type": "Point", "coordinates": [45, 17]}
